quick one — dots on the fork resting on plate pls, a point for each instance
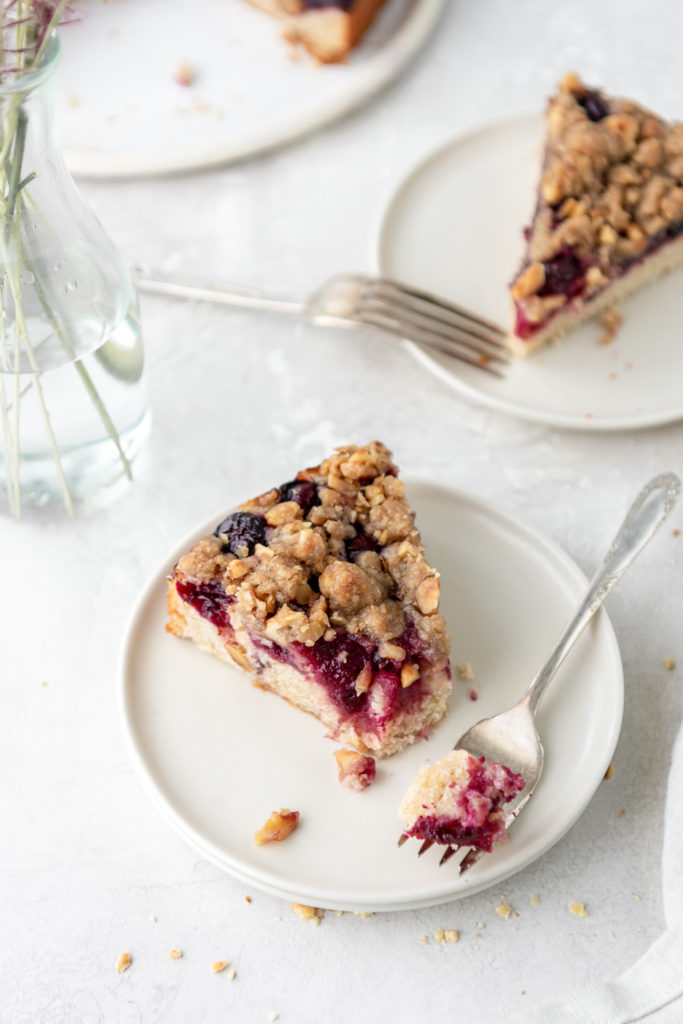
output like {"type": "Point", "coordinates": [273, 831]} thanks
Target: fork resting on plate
{"type": "Point", "coordinates": [511, 738]}
{"type": "Point", "coordinates": [360, 300]}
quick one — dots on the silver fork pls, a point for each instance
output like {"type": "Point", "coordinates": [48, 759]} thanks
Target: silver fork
{"type": "Point", "coordinates": [359, 300]}
{"type": "Point", "coordinates": [511, 738]}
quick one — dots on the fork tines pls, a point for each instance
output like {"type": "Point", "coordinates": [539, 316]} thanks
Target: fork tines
{"type": "Point", "coordinates": [422, 317]}
{"type": "Point", "coordinates": [470, 858]}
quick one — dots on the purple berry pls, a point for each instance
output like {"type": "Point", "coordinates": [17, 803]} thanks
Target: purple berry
{"type": "Point", "coordinates": [563, 276]}
{"type": "Point", "coordinates": [303, 492]}
{"type": "Point", "coordinates": [362, 542]}
{"type": "Point", "coordinates": [594, 105]}
{"type": "Point", "coordinates": [240, 530]}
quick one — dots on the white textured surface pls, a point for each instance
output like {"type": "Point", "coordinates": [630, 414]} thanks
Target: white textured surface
{"type": "Point", "coordinates": [85, 859]}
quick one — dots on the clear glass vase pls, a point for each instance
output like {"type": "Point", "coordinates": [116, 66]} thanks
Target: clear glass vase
{"type": "Point", "coordinates": [73, 412]}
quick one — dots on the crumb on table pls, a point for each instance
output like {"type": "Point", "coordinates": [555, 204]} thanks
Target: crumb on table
{"type": "Point", "coordinates": [184, 74]}
{"type": "Point", "coordinates": [306, 913]}
{"type": "Point", "coordinates": [219, 965]}
{"type": "Point", "coordinates": [123, 963]}
{"type": "Point", "coordinates": [578, 909]}
{"type": "Point", "coordinates": [534, 901]}
{"type": "Point", "coordinates": [504, 910]}
{"type": "Point", "coordinates": [175, 954]}
{"type": "Point", "coordinates": [609, 774]}
{"type": "Point", "coordinates": [669, 664]}
{"type": "Point", "coordinates": [279, 825]}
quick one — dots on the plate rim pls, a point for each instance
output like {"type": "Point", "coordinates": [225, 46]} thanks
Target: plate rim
{"type": "Point", "coordinates": [369, 79]}
{"type": "Point", "coordinates": [357, 901]}
{"type": "Point", "coordinates": [575, 422]}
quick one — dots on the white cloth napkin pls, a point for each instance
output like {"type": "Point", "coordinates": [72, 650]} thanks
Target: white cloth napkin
{"type": "Point", "coordinates": [652, 989]}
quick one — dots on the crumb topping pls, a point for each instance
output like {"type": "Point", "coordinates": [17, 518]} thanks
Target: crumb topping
{"type": "Point", "coordinates": [355, 771]}
{"type": "Point", "coordinates": [612, 185]}
{"type": "Point", "coordinates": [347, 555]}
{"type": "Point", "coordinates": [279, 825]}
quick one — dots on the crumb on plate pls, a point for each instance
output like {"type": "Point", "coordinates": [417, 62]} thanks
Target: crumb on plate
{"type": "Point", "coordinates": [611, 322]}
{"type": "Point", "coordinates": [355, 771]}
{"type": "Point", "coordinates": [279, 825]}
{"type": "Point", "coordinates": [465, 671]}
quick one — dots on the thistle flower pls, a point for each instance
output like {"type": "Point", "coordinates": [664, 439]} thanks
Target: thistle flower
{"type": "Point", "coordinates": [25, 28]}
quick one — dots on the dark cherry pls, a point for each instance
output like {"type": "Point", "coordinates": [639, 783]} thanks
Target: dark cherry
{"type": "Point", "coordinates": [343, 5]}
{"type": "Point", "coordinates": [362, 542]}
{"type": "Point", "coordinates": [209, 599]}
{"type": "Point", "coordinates": [303, 492]}
{"type": "Point", "coordinates": [451, 831]}
{"type": "Point", "coordinates": [563, 275]}
{"type": "Point", "coordinates": [594, 105]}
{"type": "Point", "coordinates": [242, 529]}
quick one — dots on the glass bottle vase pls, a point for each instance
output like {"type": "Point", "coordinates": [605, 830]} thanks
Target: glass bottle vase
{"type": "Point", "coordinates": [73, 412]}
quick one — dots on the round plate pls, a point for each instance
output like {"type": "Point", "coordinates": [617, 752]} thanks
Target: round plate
{"type": "Point", "coordinates": [454, 226]}
{"type": "Point", "coordinates": [217, 755]}
{"type": "Point", "coordinates": [248, 94]}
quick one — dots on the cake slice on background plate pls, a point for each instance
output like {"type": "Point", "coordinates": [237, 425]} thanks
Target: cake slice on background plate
{"type": "Point", "coordinates": [329, 29]}
{"type": "Point", "coordinates": [320, 589]}
{"type": "Point", "coordinates": [609, 212]}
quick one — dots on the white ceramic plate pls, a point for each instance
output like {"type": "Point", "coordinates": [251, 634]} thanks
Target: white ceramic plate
{"type": "Point", "coordinates": [454, 226]}
{"type": "Point", "coordinates": [217, 755]}
{"type": "Point", "coordinates": [122, 112]}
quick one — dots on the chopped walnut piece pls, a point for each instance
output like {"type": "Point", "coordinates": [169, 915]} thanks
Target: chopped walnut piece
{"type": "Point", "coordinates": [123, 963]}
{"type": "Point", "coordinates": [578, 909]}
{"type": "Point", "coordinates": [219, 965]}
{"type": "Point", "coordinates": [409, 675]}
{"type": "Point", "coordinates": [529, 281]}
{"type": "Point", "coordinates": [175, 954]}
{"type": "Point", "coordinates": [504, 910]}
{"type": "Point", "coordinates": [427, 595]}
{"type": "Point", "coordinates": [355, 771]}
{"type": "Point", "coordinates": [279, 825]}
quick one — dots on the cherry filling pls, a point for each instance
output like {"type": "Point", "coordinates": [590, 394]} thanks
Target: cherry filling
{"type": "Point", "coordinates": [564, 275]}
{"type": "Point", "coordinates": [475, 820]}
{"type": "Point", "coordinates": [209, 599]}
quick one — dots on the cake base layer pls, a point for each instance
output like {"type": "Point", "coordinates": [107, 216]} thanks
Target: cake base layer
{"type": "Point", "coordinates": [237, 648]}
{"type": "Point", "coordinates": [328, 33]}
{"type": "Point", "coordinates": [638, 275]}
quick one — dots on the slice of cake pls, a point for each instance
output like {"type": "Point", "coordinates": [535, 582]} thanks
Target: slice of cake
{"type": "Point", "coordinates": [609, 212]}
{"type": "Point", "coordinates": [320, 588]}
{"type": "Point", "coordinates": [459, 801]}
{"type": "Point", "coordinates": [329, 29]}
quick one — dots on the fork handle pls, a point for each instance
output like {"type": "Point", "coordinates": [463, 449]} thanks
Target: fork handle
{"type": "Point", "coordinates": [646, 515]}
{"type": "Point", "coordinates": [161, 283]}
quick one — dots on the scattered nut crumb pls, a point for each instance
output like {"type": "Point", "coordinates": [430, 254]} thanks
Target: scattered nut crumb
{"type": "Point", "coordinates": [439, 935]}
{"type": "Point", "coordinates": [622, 812]}
{"type": "Point", "coordinates": [609, 774]}
{"type": "Point", "coordinates": [153, 917]}
{"type": "Point", "coordinates": [73, 102]}
{"type": "Point", "coordinates": [534, 901]}
{"type": "Point", "coordinates": [273, 1016]}
{"type": "Point", "coordinates": [637, 897]}
{"type": "Point", "coordinates": [279, 825]}
{"type": "Point", "coordinates": [474, 693]}
{"type": "Point", "coordinates": [465, 671]}
{"type": "Point", "coordinates": [363, 913]}
{"type": "Point", "coordinates": [669, 664]}
{"type": "Point", "coordinates": [43, 684]}
{"type": "Point", "coordinates": [232, 974]}
{"type": "Point", "coordinates": [451, 934]}
{"type": "Point", "coordinates": [355, 771]}
{"type": "Point", "coordinates": [313, 914]}
{"type": "Point", "coordinates": [219, 965]}
{"type": "Point", "coordinates": [184, 74]}
{"type": "Point", "coordinates": [578, 909]}
{"type": "Point", "coordinates": [175, 954]}
{"type": "Point", "coordinates": [123, 963]}
{"type": "Point", "coordinates": [247, 899]}
{"type": "Point", "coordinates": [504, 910]}
{"type": "Point", "coordinates": [676, 533]}
{"type": "Point", "coordinates": [611, 321]}
{"type": "Point", "coordinates": [424, 938]}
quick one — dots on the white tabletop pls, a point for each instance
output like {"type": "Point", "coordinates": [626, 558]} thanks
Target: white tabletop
{"type": "Point", "coordinates": [89, 869]}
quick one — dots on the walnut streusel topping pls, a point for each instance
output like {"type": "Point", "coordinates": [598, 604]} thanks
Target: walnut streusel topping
{"type": "Point", "coordinates": [612, 184]}
{"type": "Point", "coordinates": [300, 575]}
